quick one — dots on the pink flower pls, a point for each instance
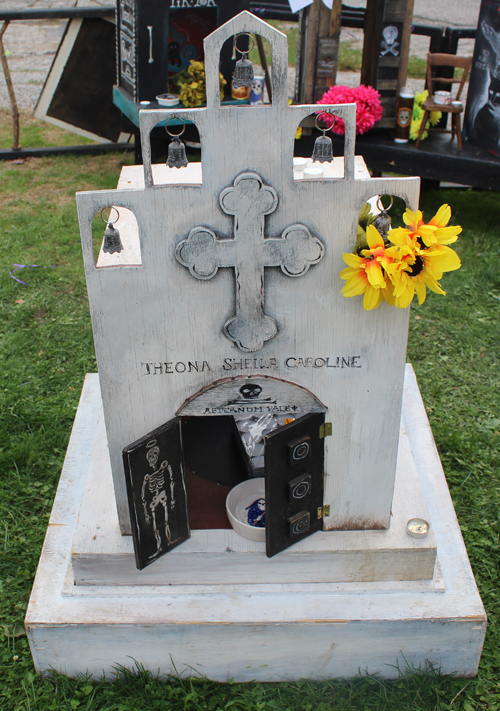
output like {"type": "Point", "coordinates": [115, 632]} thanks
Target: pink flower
{"type": "Point", "coordinates": [368, 107]}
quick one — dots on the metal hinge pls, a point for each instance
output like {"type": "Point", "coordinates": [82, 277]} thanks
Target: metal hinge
{"type": "Point", "coordinates": [325, 430]}
{"type": "Point", "coordinates": [324, 511]}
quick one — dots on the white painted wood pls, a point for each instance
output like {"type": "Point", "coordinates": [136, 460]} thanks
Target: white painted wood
{"type": "Point", "coordinates": [296, 631]}
{"type": "Point", "coordinates": [102, 556]}
{"type": "Point", "coordinates": [158, 314]}
{"type": "Point", "coordinates": [132, 176]}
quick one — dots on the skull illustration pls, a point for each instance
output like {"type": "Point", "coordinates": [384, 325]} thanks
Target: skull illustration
{"type": "Point", "coordinates": [258, 85]}
{"type": "Point", "coordinates": [152, 455]}
{"type": "Point", "coordinates": [390, 34]}
{"type": "Point", "coordinates": [250, 391]}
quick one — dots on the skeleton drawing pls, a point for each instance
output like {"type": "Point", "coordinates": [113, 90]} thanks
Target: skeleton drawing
{"type": "Point", "coordinates": [154, 493]}
{"type": "Point", "coordinates": [388, 44]}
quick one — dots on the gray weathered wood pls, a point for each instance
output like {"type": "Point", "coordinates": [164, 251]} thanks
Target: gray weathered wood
{"type": "Point", "coordinates": [249, 201]}
{"type": "Point", "coordinates": [158, 331]}
{"type": "Point", "coordinates": [307, 630]}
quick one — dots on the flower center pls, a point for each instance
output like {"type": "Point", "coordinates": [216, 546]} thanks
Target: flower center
{"type": "Point", "coordinates": [417, 267]}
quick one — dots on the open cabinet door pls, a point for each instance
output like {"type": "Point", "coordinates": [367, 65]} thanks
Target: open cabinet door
{"type": "Point", "coordinates": [294, 462]}
{"type": "Point", "coordinates": [156, 493]}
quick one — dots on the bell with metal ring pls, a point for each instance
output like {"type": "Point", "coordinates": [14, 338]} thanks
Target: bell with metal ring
{"type": "Point", "coordinates": [112, 242]}
{"type": "Point", "coordinates": [177, 150]}
{"type": "Point", "coordinates": [323, 146]}
{"type": "Point", "coordinates": [383, 222]}
{"type": "Point", "coordinates": [243, 70]}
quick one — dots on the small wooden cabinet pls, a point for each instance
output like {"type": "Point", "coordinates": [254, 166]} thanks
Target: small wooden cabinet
{"type": "Point", "coordinates": [209, 449]}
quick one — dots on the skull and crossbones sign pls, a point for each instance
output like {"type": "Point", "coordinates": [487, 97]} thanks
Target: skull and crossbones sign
{"type": "Point", "coordinates": [388, 44]}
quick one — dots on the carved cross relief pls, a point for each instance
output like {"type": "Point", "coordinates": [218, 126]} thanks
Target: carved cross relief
{"type": "Point", "coordinates": [248, 252]}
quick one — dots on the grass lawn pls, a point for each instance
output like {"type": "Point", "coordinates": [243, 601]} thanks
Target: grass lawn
{"type": "Point", "coordinates": [46, 349]}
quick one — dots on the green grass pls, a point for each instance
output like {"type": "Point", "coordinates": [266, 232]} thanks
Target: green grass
{"type": "Point", "coordinates": [291, 29]}
{"type": "Point", "coordinates": [417, 67]}
{"type": "Point", "coordinates": [35, 133]}
{"type": "Point", "coordinates": [350, 58]}
{"type": "Point", "coordinates": [46, 348]}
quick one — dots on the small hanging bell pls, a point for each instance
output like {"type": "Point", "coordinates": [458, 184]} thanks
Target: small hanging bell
{"type": "Point", "coordinates": [323, 149]}
{"type": "Point", "coordinates": [323, 146]}
{"type": "Point", "coordinates": [112, 242]}
{"type": "Point", "coordinates": [383, 222]}
{"type": "Point", "coordinates": [243, 70]}
{"type": "Point", "coordinates": [243, 73]}
{"type": "Point", "coordinates": [176, 157]}
{"type": "Point", "coordinates": [177, 154]}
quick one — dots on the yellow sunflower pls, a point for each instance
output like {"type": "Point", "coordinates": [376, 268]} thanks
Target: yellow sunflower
{"type": "Point", "coordinates": [417, 233]}
{"type": "Point", "coordinates": [414, 273]}
{"type": "Point", "coordinates": [366, 274]}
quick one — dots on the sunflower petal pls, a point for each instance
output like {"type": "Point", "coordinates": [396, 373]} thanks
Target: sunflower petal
{"type": "Point", "coordinates": [405, 299]}
{"type": "Point", "coordinates": [355, 286]}
{"type": "Point", "coordinates": [434, 286]}
{"type": "Point", "coordinates": [388, 294]}
{"type": "Point", "coordinates": [374, 237]}
{"type": "Point", "coordinates": [399, 236]}
{"type": "Point", "coordinates": [372, 298]}
{"type": "Point", "coordinates": [442, 216]}
{"type": "Point", "coordinates": [448, 235]}
{"type": "Point", "coordinates": [348, 272]}
{"type": "Point", "coordinates": [411, 218]}
{"type": "Point", "coordinates": [446, 259]}
{"type": "Point", "coordinates": [375, 274]}
{"type": "Point", "coordinates": [353, 260]}
{"type": "Point", "coordinates": [428, 234]}
{"type": "Point", "coordinates": [421, 291]}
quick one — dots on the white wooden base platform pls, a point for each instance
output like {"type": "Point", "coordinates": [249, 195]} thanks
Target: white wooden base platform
{"type": "Point", "coordinates": [334, 605]}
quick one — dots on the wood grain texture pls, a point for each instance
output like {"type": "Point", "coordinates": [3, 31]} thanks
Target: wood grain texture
{"type": "Point", "coordinates": [168, 342]}
{"type": "Point", "coordinates": [303, 630]}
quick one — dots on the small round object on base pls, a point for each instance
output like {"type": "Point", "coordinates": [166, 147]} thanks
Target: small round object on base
{"type": "Point", "coordinates": [313, 172]}
{"type": "Point", "coordinates": [239, 501]}
{"type": "Point", "coordinates": [442, 97]}
{"type": "Point", "coordinates": [401, 140]}
{"type": "Point", "coordinates": [417, 527]}
{"type": "Point", "coordinates": [144, 103]}
{"type": "Point", "coordinates": [299, 163]}
{"type": "Point", "coordinates": [168, 99]}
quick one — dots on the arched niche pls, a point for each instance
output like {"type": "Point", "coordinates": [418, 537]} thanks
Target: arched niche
{"type": "Point", "coordinates": [251, 394]}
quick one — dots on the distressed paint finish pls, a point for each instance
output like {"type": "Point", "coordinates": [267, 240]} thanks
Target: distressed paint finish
{"type": "Point", "coordinates": [158, 316]}
{"type": "Point", "coordinates": [249, 201]}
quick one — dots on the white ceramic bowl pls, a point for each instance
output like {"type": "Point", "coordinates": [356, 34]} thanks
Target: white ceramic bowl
{"type": "Point", "coordinates": [299, 163]}
{"type": "Point", "coordinates": [313, 172]}
{"type": "Point", "coordinates": [239, 498]}
{"type": "Point", "coordinates": [168, 99]}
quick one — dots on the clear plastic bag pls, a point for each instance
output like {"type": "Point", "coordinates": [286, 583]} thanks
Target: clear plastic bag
{"type": "Point", "coordinates": [253, 429]}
